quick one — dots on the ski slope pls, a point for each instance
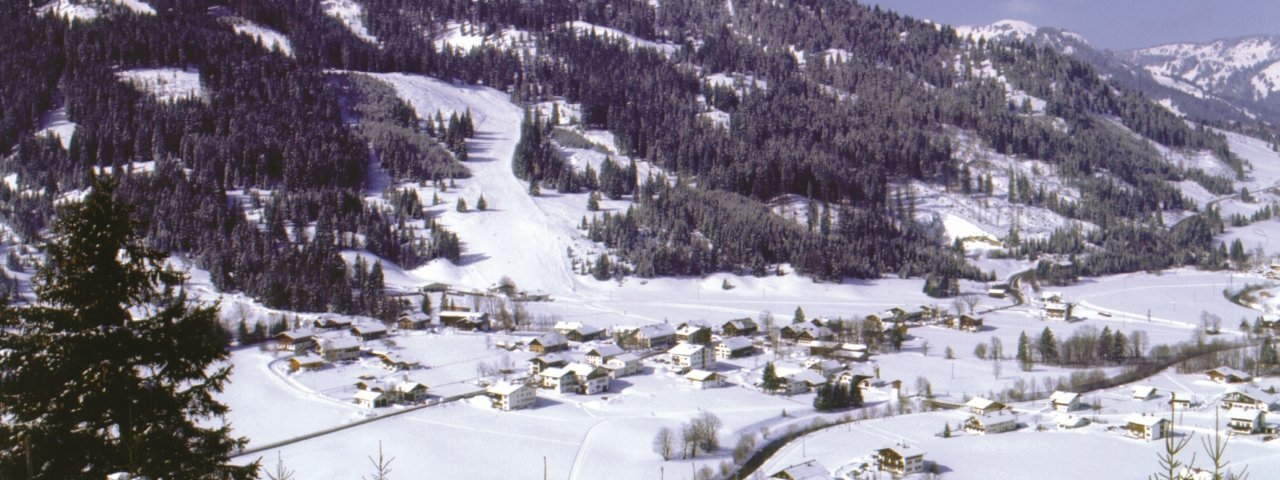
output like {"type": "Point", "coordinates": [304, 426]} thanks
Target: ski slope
{"type": "Point", "coordinates": [513, 237]}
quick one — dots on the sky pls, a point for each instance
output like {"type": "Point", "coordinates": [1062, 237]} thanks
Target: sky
{"type": "Point", "coordinates": [1110, 24]}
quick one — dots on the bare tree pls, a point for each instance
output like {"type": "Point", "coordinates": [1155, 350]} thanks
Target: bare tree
{"type": "Point", "coordinates": [708, 426]}
{"type": "Point", "coordinates": [1216, 450]}
{"type": "Point", "coordinates": [281, 472]}
{"type": "Point", "coordinates": [971, 300]}
{"type": "Point", "coordinates": [381, 466]}
{"type": "Point", "coordinates": [1170, 465]}
{"type": "Point", "coordinates": [664, 443]}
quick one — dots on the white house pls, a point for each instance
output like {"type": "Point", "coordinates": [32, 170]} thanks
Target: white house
{"type": "Point", "coordinates": [410, 392]}
{"type": "Point", "coordinates": [1248, 399]}
{"type": "Point", "coordinates": [993, 423]}
{"type": "Point", "coordinates": [1228, 375]}
{"type": "Point", "coordinates": [1246, 421]}
{"type": "Point", "coordinates": [1070, 421]}
{"type": "Point", "coordinates": [623, 365]}
{"type": "Point", "coordinates": [558, 379]}
{"type": "Point", "coordinates": [900, 460]}
{"type": "Point", "coordinates": [1144, 392]}
{"type": "Point", "coordinates": [511, 396]}
{"type": "Point", "coordinates": [340, 349]}
{"type": "Point", "coordinates": [1148, 427]}
{"type": "Point", "coordinates": [692, 355]}
{"type": "Point", "coordinates": [825, 367]}
{"type": "Point", "coordinates": [734, 347]}
{"type": "Point", "coordinates": [983, 406]}
{"type": "Point", "coordinates": [704, 379]}
{"type": "Point", "coordinates": [600, 355]}
{"type": "Point", "coordinates": [370, 399]}
{"type": "Point", "coordinates": [1064, 401]}
{"type": "Point", "coordinates": [590, 379]}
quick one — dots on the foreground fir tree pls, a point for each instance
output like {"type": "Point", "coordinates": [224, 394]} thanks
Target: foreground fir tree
{"type": "Point", "coordinates": [110, 370]}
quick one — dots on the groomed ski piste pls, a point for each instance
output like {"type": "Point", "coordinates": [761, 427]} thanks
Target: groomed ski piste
{"type": "Point", "coordinates": [609, 435]}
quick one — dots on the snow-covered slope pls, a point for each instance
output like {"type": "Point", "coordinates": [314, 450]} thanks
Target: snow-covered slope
{"type": "Point", "coordinates": [1003, 29]}
{"type": "Point", "coordinates": [513, 237]}
{"type": "Point", "coordinates": [350, 14]}
{"type": "Point", "coordinates": [269, 38]}
{"type": "Point", "coordinates": [165, 84]}
{"type": "Point", "coordinates": [54, 123]}
{"type": "Point", "coordinates": [87, 11]}
{"type": "Point", "coordinates": [465, 36]}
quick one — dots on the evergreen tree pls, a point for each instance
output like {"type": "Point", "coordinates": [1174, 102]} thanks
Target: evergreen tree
{"type": "Point", "coordinates": [799, 316]}
{"type": "Point", "coordinates": [593, 202]}
{"type": "Point", "coordinates": [1267, 353]}
{"type": "Point", "coordinates": [769, 380]}
{"type": "Point", "coordinates": [462, 205]}
{"type": "Point", "coordinates": [481, 204]}
{"type": "Point", "coordinates": [426, 303]}
{"type": "Point", "coordinates": [602, 269]}
{"type": "Point", "coordinates": [89, 389]}
{"type": "Point", "coordinates": [1048, 347]}
{"type": "Point", "coordinates": [1024, 353]}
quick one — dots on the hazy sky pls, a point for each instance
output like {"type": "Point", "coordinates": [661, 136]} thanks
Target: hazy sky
{"type": "Point", "coordinates": [1112, 24]}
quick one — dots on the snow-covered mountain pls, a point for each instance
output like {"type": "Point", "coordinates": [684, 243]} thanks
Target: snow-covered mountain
{"type": "Point", "coordinates": [1223, 80]}
{"type": "Point", "coordinates": [1245, 67]}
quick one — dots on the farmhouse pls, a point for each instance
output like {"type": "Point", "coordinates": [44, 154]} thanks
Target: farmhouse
{"type": "Point", "coordinates": [692, 356]}
{"type": "Point", "coordinates": [982, 406]}
{"type": "Point", "coordinates": [297, 341]}
{"type": "Point", "coordinates": [1070, 421]}
{"type": "Point", "coordinates": [578, 332]}
{"type": "Point", "coordinates": [1144, 392]}
{"type": "Point", "coordinates": [511, 396]}
{"type": "Point", "coordinates": [306, 362]}
{"type": "Point", "coordinates": [1249, 399]}
{"type": "Point", "coordinates": [367, 332]}
{"type": "Point", "coordinates": [964, 323]}
{"type": "Point", "coordinates": [739, 328]}
{"type": "Point", "coordinates": [1064, 401]}
{"type": "Point", "coordinates": [1228, 375]}
{"type": "Point", "coordinates": [854, 352]}
{"type": "Point", "coordinates": [539, 364]}
{"type": "Point", "coordinates": [328, 322]}
{"type": "Point", "coordinates": [900, 460]}
{"type": "Point", "coordinates": [340, 349]}
{"type": "Point", "coordinates": [734, 347]}
{"type": "Point", "coordinates": [995, 423]}
{"type": "Point", "coordinates": [409, 392]}
{"type": "Point", "coordinates": [1246, 421]}
{"type": "Point", "coordinates": [623, 365]}
{"type": "Point", "coordinates": [802, 381]}
{"type": "Point", "coordinates": [810, 470]}
{"type": "Point", "coordinates": [704, 378]}
{"type": "Point", "coordinates": [370, 399]}
{"type": "Point", "coordinates": [693, 333]}
{"type": "Point", "coordinates": [1146, 427]}
{"type": "Point", "coordinates": [657, 335]}
{"type": "Point", "coordinates": [590, 379]}
{"type": "Point", "coordinates": [848, 377]}
{"type": "Point", "coordinates": [548, 343]}
{"type": "Point", "coordinates": [463, 320]}
{"type": "Point", "coordinates": [826, 368]}
{"type": "Point", "coordinates": [806, 330]}
{"type": "Point", "coordinates": [415, 321]}
{"type": "Point", "coordinates": [1057, 311]}
{"type": "Point", "coordinates": [557, 379]}
{"type": "Point", "coordinates": [999, 290]}
{"type": "Point", "coordinates": [598, 356]}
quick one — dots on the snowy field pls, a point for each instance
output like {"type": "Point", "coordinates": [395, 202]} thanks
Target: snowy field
{"type": "Point", "coordinates": [165, 85]}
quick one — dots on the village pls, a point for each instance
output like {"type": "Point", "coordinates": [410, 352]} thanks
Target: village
{"type": "Point", "coordinates": [389, 369]}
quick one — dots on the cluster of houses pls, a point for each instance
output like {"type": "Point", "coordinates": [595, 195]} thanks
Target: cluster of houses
{"type": "Point", "coordinates": [897, 460]}
{"type": "Point", "coordinates": [386, 392]}
{"type": "Point", "coordinates": [328, 340]}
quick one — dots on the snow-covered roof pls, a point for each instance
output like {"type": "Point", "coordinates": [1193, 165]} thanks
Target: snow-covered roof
{"type": "Point", "coordinates": [407, 386]}
{"type": "Point", "coordinates": [605, 351]}
{"type": "Point", "coordinates": [581, 369]}
{"type": "Point", "coordinates": [506, 388]}
{"type": "Point", "coordinates": [308, 359]}
{"type": "Point", "coordinates": [808, 376]}
{"type": "Point", "coordinates": [367, 328]}
{"type": "Point", "coordinates": [297, 334]}
{"type": "Point", "coordinates": [810, 470]}
{"type": "Point", "coordinates": [1144, 391]}
{"type": "Point", "coordinates": [342, 343]}
{"type": "Point", "coordinates": [461, 314]}
{"type": "Point", "coordinates": [690, 329]}
{"type": "Point", "coordinates": [1144, 420]}
{"type": "Point", "coordinates": [736, 343]}
{"type": "Point", "coordinates": [368, 395]}
{"type": "Point", "coordinates": [1065, 398]}
{"type": "Point", "coordinates": [1244, 414]}
{"type": "Point", "coordinates": [686, 349]}
{"type": "Point", "coordinates": [1229, 372]}
{"type": "Point", "coordinates": [657, 330]}
{"type": "Point", "coordinates": [550, 339]}
{"type": "Point", "coordinates": [550, 358]}
{"type": "Point", "coordinates": [626, 358]}
{"type": "Point", "coordinates": [741, 323]}
{"type": "Point", "coordinates": [700, 375]}
{"type": "Point", "coordinates": [555, 372]}
{"type": "Point", "coordinates": [983, 403]}
{"type": "Point", "coordinates": [1069, 421]}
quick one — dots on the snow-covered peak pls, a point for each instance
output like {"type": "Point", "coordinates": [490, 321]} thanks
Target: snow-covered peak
{"type": "Point", "coordinates": [999, 30]}
{"type": "Point", "coordinates": [1250, 61]}
{"type": "Point", "coordinates": [350, 14]}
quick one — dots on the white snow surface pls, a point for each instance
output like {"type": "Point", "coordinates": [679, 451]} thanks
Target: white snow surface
{"type": "Point", "coordinates": [513, 238]}
{"type": "Point", "coordinates": [88, 11]}
{"type": "Point", "coordinates": [1267, 81]}
{"type": "Point", "coordinates": [269, 38]}
{"type": "Point", "coordinates": [1017, 29]}
{"type": "Point", "coordinates": [466, 36]}
{"type": "Point", "coordinates": [350, 14]}
{"type": "Point", "coordinates": [165, 84]}
{"type": "Point", "coordinates": [586, 28]}
{"type": "Point", "coordinates": [54, 123]}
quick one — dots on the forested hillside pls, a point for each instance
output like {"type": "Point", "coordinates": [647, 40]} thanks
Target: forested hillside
{"type": "Point", "coordinates": [260, 178]}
